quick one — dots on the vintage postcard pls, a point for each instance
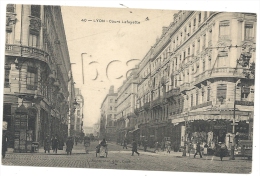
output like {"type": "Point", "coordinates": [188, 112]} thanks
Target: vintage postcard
{"type": "Point", "coordinates": [128, 88]}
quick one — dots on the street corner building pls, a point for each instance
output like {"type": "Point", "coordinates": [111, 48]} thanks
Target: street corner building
{"type": "Point", "coordinates": [195, 84]}
{"type": "Point", "coordinates": [38, 84]}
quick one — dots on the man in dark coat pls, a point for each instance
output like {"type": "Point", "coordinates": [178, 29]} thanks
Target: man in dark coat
{"type": "Point", "coordinates": [4, 145]}
{"type": "Point", "coordinates": [198, 150]}
{"type": "Point", "coordinates": [47, 144]}
{"type": "Point", "coordinates": [134, 149]}
{"type": "Point", "coordinates": [145, 143]}
{"type": "Point", "coordinates": [125, 144]}
{"type": "Point", "coordinates": [55, 144]}
{"type": "Point", "coordinates": [69, 145]}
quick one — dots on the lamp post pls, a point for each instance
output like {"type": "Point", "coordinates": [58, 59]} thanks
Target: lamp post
{"type": "Point", "coordinates": [82, 66]}
{"type": "Point", "coordinates": [232, 156]}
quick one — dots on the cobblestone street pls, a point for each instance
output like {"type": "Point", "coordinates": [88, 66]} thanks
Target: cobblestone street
{"type": "Point", "coordinates": [122, 159]}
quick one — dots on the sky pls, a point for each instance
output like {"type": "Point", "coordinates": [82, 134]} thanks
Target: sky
{"type": "Point", "coordinates": [108, 40]}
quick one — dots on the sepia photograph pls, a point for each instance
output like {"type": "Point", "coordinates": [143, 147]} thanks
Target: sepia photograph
{"type": "Point", "coordinates": [128, 88]}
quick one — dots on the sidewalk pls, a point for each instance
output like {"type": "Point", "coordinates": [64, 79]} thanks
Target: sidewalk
{"type": "Point", "coordinates": [77, 149]}
{"type": "Point", "coordinates": [151, 150]}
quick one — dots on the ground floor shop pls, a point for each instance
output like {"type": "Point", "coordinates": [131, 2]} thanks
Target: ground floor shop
{"type": "Point", "coordinates": [30, 122]}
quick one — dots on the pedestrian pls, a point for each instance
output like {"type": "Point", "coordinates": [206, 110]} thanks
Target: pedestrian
{"type": "Point", "coordinates": [156, 147]}
{"type": "Point", "coordinates": [205, 151]}
{"type": "Point", "coordinates": [145, 143]}
{"type": "Point", "coordinates": [55, 144]}
{"type": "Point", "coordinates": [222, 150]}
{"type": "Point", "coordinates": [189, 148]}
{"type": "Point", "coordinates": [198, 150]}
{"type": "Point", "coordinates": [103, 148]}
{"type": "Point", "coordinates": [69, 145]}
{"type": "Point", "coordinates": [47, 144]}
{"type": "Point", "coordinates": [168, 145]}
{"type": "Point", "coordinates": [163, 145]}
{"type": "Point", "coordinates": [4, 145]}
{"type": "Point", "coordinates": [134, 148]}
{"type": "Point", "coordinates": [125, 144]}
{"type": "Point", "coordinates": [236, 139]}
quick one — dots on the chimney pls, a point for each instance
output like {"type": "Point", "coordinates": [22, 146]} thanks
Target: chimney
{"type": "Point", "coordinates": [111, 89]}
{"type": "Point", "coordinates": [175, 17]}
{"type": "Point", "coordinates": [164, 30]}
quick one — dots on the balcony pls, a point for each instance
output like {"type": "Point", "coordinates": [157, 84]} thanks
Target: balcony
{"type": "Point", "coordinates": [219, 72]}
{"type": "Point", "coordinates": [146, 106]}
{"type": "Point", "coordinates": [245, 103]}
{"type": "Point", "coordinates": [172, 92]}
{"type": "Point", "coordinates": [26, 51]}
{"type": "Point", "coordinates": [184, 87]}
{"type": "Point", "coordinates": [209, 103]}
{"type": "Point", "coordinates": [156, 103]}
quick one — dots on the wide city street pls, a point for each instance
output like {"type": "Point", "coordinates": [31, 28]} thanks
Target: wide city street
{"type": "Point", "coordinates": [119, 158]}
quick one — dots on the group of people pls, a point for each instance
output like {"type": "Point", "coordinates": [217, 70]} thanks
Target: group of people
{"type": "Point", "coordinates": [56, 144]}
{"type": "Point", "coordinates": [220, 150]}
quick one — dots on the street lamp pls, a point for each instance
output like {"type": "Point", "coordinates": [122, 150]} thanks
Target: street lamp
{"type": "Point", "coordinates": [232, 156]}
{"type": "Point", "coordinates": [82, 66]}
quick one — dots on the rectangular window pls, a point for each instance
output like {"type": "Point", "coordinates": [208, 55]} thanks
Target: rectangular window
{"type": "Point", "coordinates": [204, 41]}
{"type": "Point", "coordinates": [36, 11]}
{"type": "Point", "coordinates": [10, 8]}
{"type": "Point", "coordinates": [208, 94]}
{"type": "Point", "coordinates": [203, 66]}
{"type": "Point", "coordinates": [31, 80]}
{"type": "Point", "coordinates": [249, 31]}
{"type": "Point", "coordinates": [7, 80]}
{"type": "Point", "coordinates": [222, 59]}
{"type": "Point", "coordinates": [224, 29]}
{"type": "Point", "coordinates": [245, 90]}
{"type": "Point", "coordinates": [197, 99]}
{"type": "Point", "coordinates": [184, 54]}
{"type": "Point", "coordinates": [194, 22]}
{"type": "Point", "coordinates": [188, 51]}
{"type": "Point", "coordinates": [199, 17]}
{"type": "Point", "coordinates": [221, 93]}
{"type": "Point", "coordinates": [33, 40]}
{"type": "Point", "coordinates": [191, 100]}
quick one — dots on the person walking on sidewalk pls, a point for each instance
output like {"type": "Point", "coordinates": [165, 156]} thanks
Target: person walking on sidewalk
{"type": "Point", "coordinates": [168, 145]}
{"type": "Point", "coordinates": [47, 144]}
{"type": "Point", "coordinates": [4, 145]}
{"type": "Point", "coordinates": [145, 143]}
{"type": "Point", "coordinates": [125, 144]}
{"type": "Point", "coordinates": [156, 147]}
{"type": "Point", "coordinates": [198, 150]}
{"type": "Point", "coordinates": [134, 148]}
{"type": "Point", "coordinates": [55, 143]}
{"type": "Point", "coordinates": [69, 145]}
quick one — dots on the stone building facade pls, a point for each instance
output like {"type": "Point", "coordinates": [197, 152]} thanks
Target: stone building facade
{"type": "Point", "coordinates": [37, 72]}
{"type": "Point", "coordinates": [196, 83]}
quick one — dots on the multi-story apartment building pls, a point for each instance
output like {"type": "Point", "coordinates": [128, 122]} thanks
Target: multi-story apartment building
{"type": "Point", "coordinates": [108, 115]}
{"type": "Point", "coordinates": [197, 82]}
{"type": "Point", "coordinates": [125, 116]}
{"type": "Point", "coordinates": [37, 66]}
{"type": "Point", "coordinates": [78, 120]}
